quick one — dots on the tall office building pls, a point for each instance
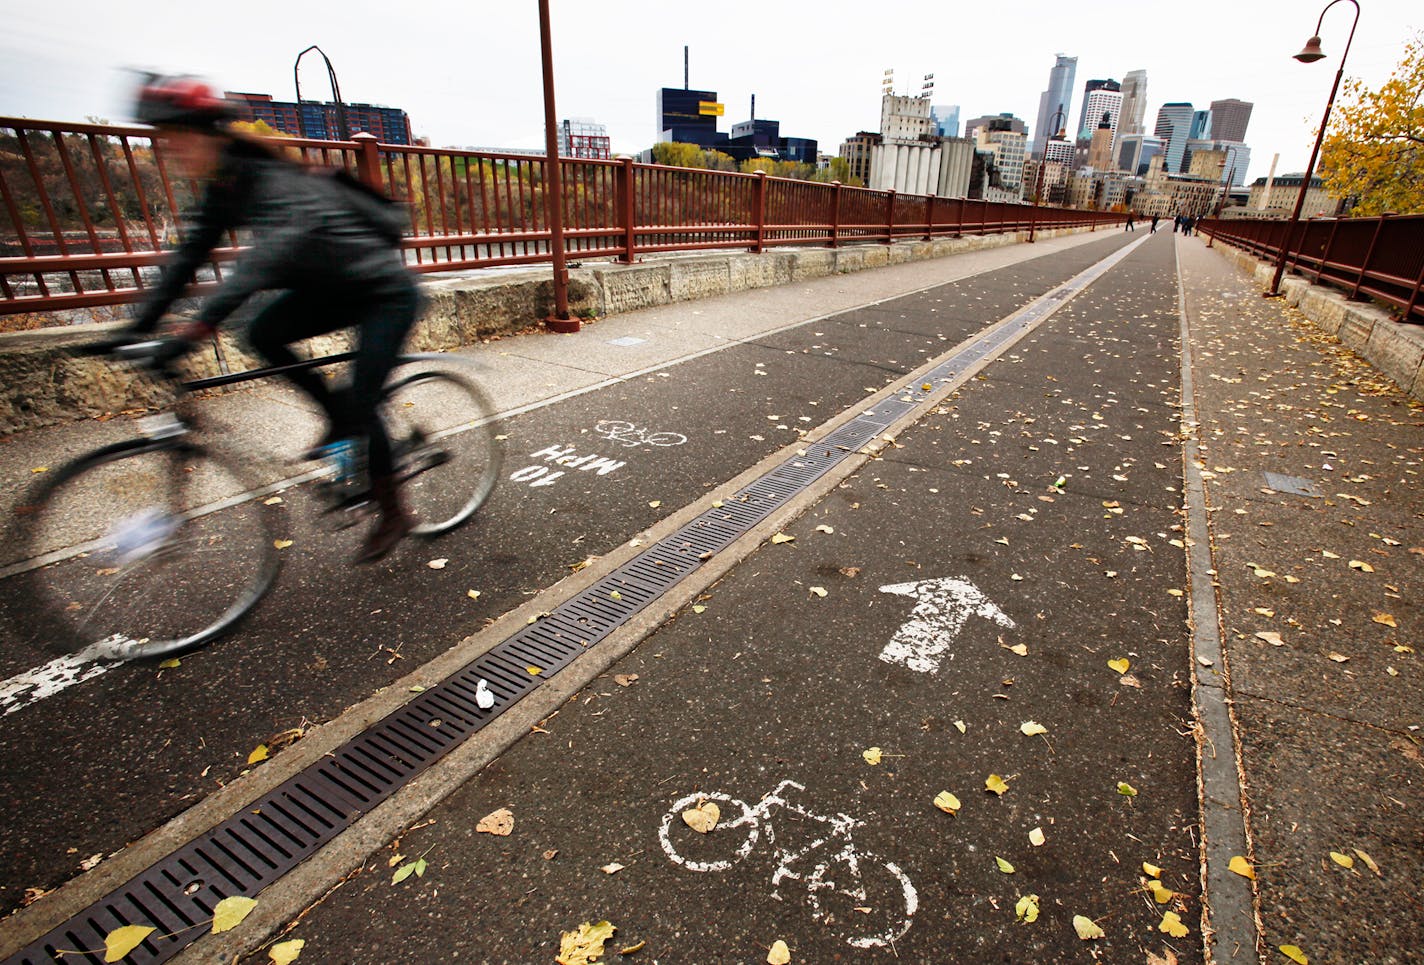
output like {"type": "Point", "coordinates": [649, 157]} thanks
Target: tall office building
{"type": "Point", "coordinates": [1134, 103]}
{"type": "Point", "coordinates": [689, 117]}
{"type": "Point", "coordinates": [1229, 118]}
{"type": "Point", "coordinates": [1135, 153]}
{"type": "Point", "coordinates": [1201, 124]}
{"type": "Point", "coordinates": [1174, 128]}
{"type": "Point", "coordinates": [1058, 97]}
{"type": "Point", "coordinates": [945, 119]}
{"type": "Point", "coordinates": [1096, 99]}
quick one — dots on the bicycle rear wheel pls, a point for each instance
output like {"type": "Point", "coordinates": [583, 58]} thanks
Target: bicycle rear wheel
{"type": "Point", "coordinates": [141, 550]}
{"type": "Point", "coordinates": [443, 433]}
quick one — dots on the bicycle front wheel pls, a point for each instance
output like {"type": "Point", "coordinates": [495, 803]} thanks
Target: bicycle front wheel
{"type": "Point", "coordinates": [142, 550]}
{"type": "Point", "coordinates": [442, 430]}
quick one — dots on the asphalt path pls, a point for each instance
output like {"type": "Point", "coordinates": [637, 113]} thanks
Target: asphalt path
{"type": "Point", "coordinates": [1051, 484]}
{"type": "Point", "coordinates": [105, 762]}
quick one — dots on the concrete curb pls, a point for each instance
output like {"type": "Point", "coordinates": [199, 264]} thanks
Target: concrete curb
{"type": "Point", "coordinates": [1396, 349]}
{"type": "Point", "coordinates": [41, 385]}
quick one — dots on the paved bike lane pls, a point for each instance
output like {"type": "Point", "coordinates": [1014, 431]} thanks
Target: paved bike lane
{"type": "Point", "coordinates": [1033, 517]}
{"type": "Point", "coordinates": [102, 764]}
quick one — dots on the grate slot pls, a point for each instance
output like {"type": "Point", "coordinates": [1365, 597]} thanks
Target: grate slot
{"type": "Point", "coordinates": [219, 868]}
{"type": "Point", "coordinates": [253, 829]}
{"type": "Point", "coordinates": [238, 843]}
{"type": "Point", "coordinates": [376, 761]}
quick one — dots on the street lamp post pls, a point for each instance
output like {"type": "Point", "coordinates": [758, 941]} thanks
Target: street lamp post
{"type": "Point", "coordinates": [1309, 55]}
{"type": "Point", "coordinates": [1221, 203]}
{"type": "Point", "coordinates": [553, 185]}
{"type": "Point", "coordinates": [1054, 122]}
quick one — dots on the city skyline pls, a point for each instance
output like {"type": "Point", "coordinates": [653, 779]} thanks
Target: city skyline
{"type": "Point", "coordinates": [477, 81]}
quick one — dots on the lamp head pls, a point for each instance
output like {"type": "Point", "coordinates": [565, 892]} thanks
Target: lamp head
{"type": "Point", "coordinates": [1312, 52]}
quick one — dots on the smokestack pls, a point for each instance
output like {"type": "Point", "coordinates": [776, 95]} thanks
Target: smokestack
{"type": "Point", "coordinates": [1270, 180]}
{"type": "Point", "coordinates": [685, 85]}
{"type": "Point", "coordinates": [753, 107]}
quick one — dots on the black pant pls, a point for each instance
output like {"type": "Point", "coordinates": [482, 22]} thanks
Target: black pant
{"type": "Point", "coordinates": [381, 321]}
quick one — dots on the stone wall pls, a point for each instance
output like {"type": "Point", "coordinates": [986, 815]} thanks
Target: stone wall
{"type": "Point", "coordinates": [41, 384]}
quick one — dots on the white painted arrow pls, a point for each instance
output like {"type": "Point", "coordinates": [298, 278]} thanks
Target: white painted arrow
{"type": "Point", "coordinates": [943, 608]}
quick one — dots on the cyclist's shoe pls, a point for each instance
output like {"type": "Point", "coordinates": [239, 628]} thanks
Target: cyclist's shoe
{"type": "Point", "coordinates": [393, 524]}
{"type": "Point", "coordinates": [326, 446]}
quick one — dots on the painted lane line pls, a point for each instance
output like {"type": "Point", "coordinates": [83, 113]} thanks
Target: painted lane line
{"type": "Point", "coordinates": [941, 610]}
{"type": "Point", "coordinates": [36, 684]}
{"type": "Point", "coordinates": [1229, 913]}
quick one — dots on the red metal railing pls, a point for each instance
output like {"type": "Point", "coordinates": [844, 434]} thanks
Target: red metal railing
{"type": "Point", "coordinates": [1380, 258]}
{"type": "Point", "coordinates": [90, 208]}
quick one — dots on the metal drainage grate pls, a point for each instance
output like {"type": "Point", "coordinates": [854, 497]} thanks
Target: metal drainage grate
{"type": "Point", "coordinates": [255, 847]}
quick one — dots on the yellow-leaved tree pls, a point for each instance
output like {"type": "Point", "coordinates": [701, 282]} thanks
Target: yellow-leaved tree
{"type": "Point", "coordinates": [1373, 155]}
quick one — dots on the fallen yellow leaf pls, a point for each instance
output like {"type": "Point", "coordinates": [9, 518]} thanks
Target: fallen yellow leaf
{"type": "Point", "coordinates": [1343, 860]}
{"type": "Point", "coordinates": [1171, 924]}
{"type": "Point", "coordinates": [281, 544]}
{"type": "Point", "coordinates": [702, 818]}
{"type": "Point", "coordinates": [1086, 928]}
{"type": "Point", "coordinates": [947, 802]}
{"type": "Point", "coordinates": [1032, 727]}
{"type": "Point", "coordinates": [1026, 909]}
{"type": "Point", "coordinates": [259, 753]}
{"type": "Point", "coordinates": [1369, 862]}
{"type": "Point", "coordinates": [655, 503]}
{"type": "Point", "coordinates": [1385, 619]}
{"type": "Point", "coordinates": [1242, 867]}
{"type": "Point", "coordinates": [533, 670]}
{"type": "Point", "coordinates": [1294, 953]}
{"type": "Point", "coordinates": [778, 954]}
{"type": "Point", "coordinates": [1160, 892]}
{"type": "Point", "coordinates": [1362, 566]}
{"type": "Point", "coordinates": [230, 912]}
{"type": "Point", "coordinates": [1036, 838]}
{"type": "Point", "coordinates": [499, 823]}
{"type": "Point", "coordinates": [1126, 789]}
{"type": "Point", "coordinates": [438, 564]}
{"type": "Point", "coordinates": [1120, 664]}
{"type": "Point", "coordinates": [996, 784]}
{"type": "Point", "coordinates": [119, 942]}
{"type": "Point", "coordinates": [172, 663]}
{"type": "Point", "coordinates": [585, 945]}
{"type": "Point", "coordinates": [871, 755]}
{"type": "Point", "coordinates": [1152, 870]}
{"type": "Point", "coordinates": [1004, 866]}
{"type": "Point", "coordinates": [284, 953]}
{"type": "Point", "coordinates": [819, 591]}
{"type": "Point", "coordinates": [783, 538]}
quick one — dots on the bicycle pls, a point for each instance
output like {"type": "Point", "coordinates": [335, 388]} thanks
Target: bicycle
{"type": "Point", "coordinates": [159, 544]}
{"type": "Point", "coordinates": [852, 893]}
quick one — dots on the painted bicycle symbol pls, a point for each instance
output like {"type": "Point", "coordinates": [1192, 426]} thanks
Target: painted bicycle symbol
{"type": "Point", "coordinates": [862, 899]}
{"type": "Point", "coordinates": [628, 434]}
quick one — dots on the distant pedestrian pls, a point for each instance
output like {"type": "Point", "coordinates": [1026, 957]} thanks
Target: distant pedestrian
{"type": "Point", "coordinates": [1189, 225]}
{"type": "Point", "coordinates": [1176, 224]}
{"type": "Point", "coordinates": [1154, 223]}
{"type": "Point", "coordinates": [1131, 224]}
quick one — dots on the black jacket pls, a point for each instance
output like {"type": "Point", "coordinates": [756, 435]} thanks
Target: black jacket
{"type": "Point", "coordinates": [310, 231]}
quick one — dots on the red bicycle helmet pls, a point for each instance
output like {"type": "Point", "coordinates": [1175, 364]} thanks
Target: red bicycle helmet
{"type": "Point", "coordinates": [180, 102]}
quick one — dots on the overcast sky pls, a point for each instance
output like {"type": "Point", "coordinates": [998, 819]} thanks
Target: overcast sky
{"type": "Point", "coordinates": [468, 73]}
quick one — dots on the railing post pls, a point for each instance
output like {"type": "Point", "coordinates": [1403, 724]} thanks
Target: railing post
{"type": "Point", "coordinates": [368, 162]}
{"type": "Point", "coordinates": [890, 217]}
{"type": "Point", "coordinates": [929, 218]}
{"type": "Point", "coordinates": [1414, 295]}
{"type": "Point", "coordinates": [1365, 262]}
{"type": "Point", "coordinates": [760, 202]}
{"type": "Point", "coordinates": [1325, 255]}
{"type": "Point", "coordinates": [624, 199]}
{"type": "Point", "coordinates": [835, 214]}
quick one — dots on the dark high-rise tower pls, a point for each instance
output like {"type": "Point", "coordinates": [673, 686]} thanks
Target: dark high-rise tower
{"type": "Point", "coordinates": [1058, 97]}
{"type": "Point", "coordinates": [1229, 118]}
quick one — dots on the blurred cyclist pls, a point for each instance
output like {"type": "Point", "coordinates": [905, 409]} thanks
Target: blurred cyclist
{"type": "Point", "coordinates": [326, 242]}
